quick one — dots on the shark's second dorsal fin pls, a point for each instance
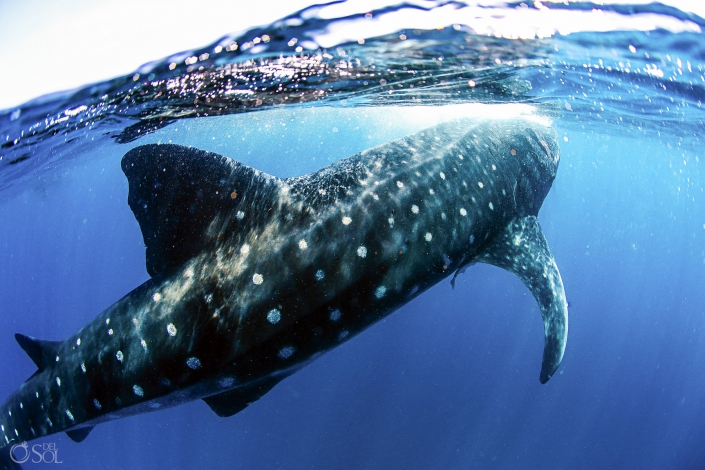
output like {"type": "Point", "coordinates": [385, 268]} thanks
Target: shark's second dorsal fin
{"type": "Point", "coordinates": [176, 192]}
{"type": "Point", "coordinates": [40, 351]}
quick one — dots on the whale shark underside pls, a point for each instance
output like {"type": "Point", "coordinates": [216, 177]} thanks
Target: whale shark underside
{"type": "Point", "coordinates": [254, 276]}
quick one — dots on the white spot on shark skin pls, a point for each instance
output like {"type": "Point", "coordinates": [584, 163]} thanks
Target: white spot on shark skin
{"type": "Point", "coordinates": [154, 405]}
{"type": "Point", "coordinates": [18, 434]}
{"type": "Point", "coordinates": [376, 197]}
{"type": "Point", "coordinates": [460, 156]}
{"type": "Point", "coordinates": [119, 356]}
{"type": "Point", "coordinates": [431, 192]}
{"type": "Point", "coordinates": [274, 316]}
{"type": "Point", "coordinates": [2, 427]}
{"type": "Point", "coordinates": [343, 334]}
{"type": "Point", "coordinates": [68, 413]}
{"type": "Point", "coordinates": [479, 183]}
{"type": "Point", "coordinates": [491, 206]}
{"type": "Point", "coordinates": [193, 363]}
{"type": "Point", "coordinates": [57, 358]}
{"type": "Point", "coordinates": [245, 249]}
{"type": "Point", "coordinates": [443, 216]}
{"type": "Point", "coordinates": [78, 342]}
{"type": "Point", "coordinates": [442, 175]}
{"type": "Point", "coordinates": [335, 315]}
{"type": "Point", "coordinates": [400, 184]}
{"type": "Point", "coordinates": [494, 168]}
{"type": "Point", "coordinates": [346, 220]}
{"type": "Point", "coordinates": [415, 209]}
{"type": "Point", "coordinates": [286, 352]}
{"type": "Point", "coordinates": [83, 368]}
{"type": "Point", "coordinates": [49, 422]}
{"type": "Point", "coordinates": [428, 237]}
{"type": "Point", "coordinates": [144, 344]}
{"type": "Point", "coordinates": [240, 215]}
{"type": "Point", "coordinates": [21, 406]}
{"type": "Point", "coordinates": [110, 331]}
{"type": "Point", "coordinates": [463, 212]}
{"type": "Point", "coordinates": [391, 221]}
{"type": "Point", "coordinates": [107, 321]}
{"type": "Point", "coordinates": [58, 381]}
{"type": "Point", "coordinates": [472, 239]}
{"type": "Point", "coordinates": [138, 390]}
{"type": "Point", "coordinates": [157, 297]}
{"type": "Point", "coordinates": [97, 404]}
{"type": "Point", "coordinates": [226, 382]}
{"type": "Point", "coordinates": [36, 394]}
{"type": "Point", "coordinates": [257, 279]}
{"type": "Point", "coordinates": [361, 251]}
{"type": "Point", "coordinates": [303, 245]}
{"type": "Point", "coordinates": [380, 291]}
{"type": "Point", "coordinates": [189, 273]}
{"type": "Point", "coordinates": [320, 275]}
{"type": "Point", "coordinates": [171, 329]}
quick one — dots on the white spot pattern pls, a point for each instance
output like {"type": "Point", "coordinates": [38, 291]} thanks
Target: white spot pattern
{"type": "Point", "coordinates": [415, 209]}
{"type": "Point", "coordinates": [193, 363]}
{"type": "Point", "coordinates": [245, 249]}
{"type": "Point", "coordinates": [138, 390]}
{"type": "Point", "coordinates": [257, 279]}
{"type": "Point", "coordinates": [286, 352]}
{"type": "Point", "coordinates": [428, 237]}
{"type": "Point", "coordinates": [361, 251]}
{"type": "Point", "coordinates": [346, 220]}
{"type": "Point", "coordinates": [157, 297]}
{"type": "Point", "coordinates": [119, 356]}
{"type": "Point", "coordinates": [320, 275]}
{"type": "Point", "coordinates": [335, 315]}
{"type": "Point", "coordinates": [380, 291]}
{"type": "Point", "coordinates": [400, 184]}
{"type": "Point", "coordinates": [68, 413]}
{"type": "Point", "coordinates": [274, 316]}
{"type": "Point", "coordinates": [171, 329]}
{"type": "Point", "coordinates": [303, 245]}
{"type": "Point", "coordinates": [97, 404]}
{"type": "Point", "coordinates": [463, 212]}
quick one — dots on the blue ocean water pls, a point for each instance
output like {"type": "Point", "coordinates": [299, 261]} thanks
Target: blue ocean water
{"type": "Point", "coordinates": [451, 379]}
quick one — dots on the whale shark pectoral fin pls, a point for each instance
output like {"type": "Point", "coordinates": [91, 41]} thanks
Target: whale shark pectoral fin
{"type": "Point", "coordinates": [78, 435]}
{"type": "Point", "coordinates": [40, 351]}
{"type": "Point", "coordinates": [234, 401]}
{"type": "Point", "coordinates": [522, 249]}
{"type": "Point", "coordinates": [176, 192]}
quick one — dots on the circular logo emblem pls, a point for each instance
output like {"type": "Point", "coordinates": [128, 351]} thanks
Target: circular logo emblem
{"type": "Point", "coordinates": [24, 457]}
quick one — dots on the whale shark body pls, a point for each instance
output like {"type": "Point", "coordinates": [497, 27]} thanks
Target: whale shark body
{"type": "Point", "coordinates": [254, 276]}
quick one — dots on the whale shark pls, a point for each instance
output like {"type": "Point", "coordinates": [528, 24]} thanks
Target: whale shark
{"type": "Point", "coordinates": [255, 276]}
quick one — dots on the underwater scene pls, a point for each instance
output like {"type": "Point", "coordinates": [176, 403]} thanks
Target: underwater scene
{"type": "Point", "coordinates": [424, 234]}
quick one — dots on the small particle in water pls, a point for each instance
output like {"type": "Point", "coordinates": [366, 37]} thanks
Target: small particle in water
{"type": "Point", "coordinates": [274, 316]}
{"type": "Point", "coordinates": [463, 212]}
{"type": "Point", "coordinates": [320, 275]}
{"type": "Point", "coordinates": [400, 184]}
{"type": "Point", "coordinates": [119, 356]}
{"type": "Point", "coordinates": [171, 329]}
{"type": "Point", "coordinates": [303, 245]}
{"type": "Point", "coordinates": [245, 249]}
{"type": "Point", "coordinates": [157, 297]}
{"type": "Point", "coordinates": [380, 291]}
{"type": "Point", "coordinates": [415, 209]}
{"type": "Point", "coordinates": [361, 251]}
{"type": "Point", "coordinates": [233, 195]}
{"type": "Point", "coordinates": [257, 279]}
{"type": "Point", "coordinates": [193, 363]}
{"type": "Point", "coordinates": [286, 352]}
{"type": "Point", "coordinates": [335, 315]}
{"type": "Point", "coordinates": [428, 237]}
{"type": "Point", "coordinates": [346, 220]}
{"type": "Point", "coordinates": [138, 390]}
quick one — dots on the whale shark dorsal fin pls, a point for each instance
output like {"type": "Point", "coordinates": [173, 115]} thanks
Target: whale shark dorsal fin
{"type": "Point", "coordinates": [79, 435]}
{"type": "Point", "coordinates": [40, 351]}
{"type": "Point", "coordinates": [233, 401]}
{"type": "Point", "coordinates": [521, 249]}
{"type": "Point", "coordinates": [176, 192]}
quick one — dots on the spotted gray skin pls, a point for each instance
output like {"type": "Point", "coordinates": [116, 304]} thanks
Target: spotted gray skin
{"type": "Point", "coordinates": [254, 276]}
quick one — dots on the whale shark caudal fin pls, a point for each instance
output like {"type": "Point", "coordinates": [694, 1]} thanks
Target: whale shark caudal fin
{"type": "Point", "coordinates": [176, 192]}
{"type": "Point", "coordinates": [521, 249]}
{"type": "Point", "coordinates": [231, 402]}
{"type": "Point", "coordinates": [42, 352]}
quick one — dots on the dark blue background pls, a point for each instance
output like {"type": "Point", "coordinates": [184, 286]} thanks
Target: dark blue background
{"type": "Point", "coordinates": [448, 381]}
